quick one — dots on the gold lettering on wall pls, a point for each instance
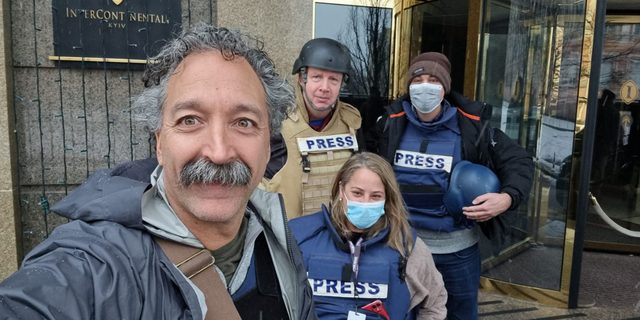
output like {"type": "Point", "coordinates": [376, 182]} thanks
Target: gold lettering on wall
{"type": "Point", "coordinates": [101, 14]}
{"type": "Point", "coordinates": [72, 13]}
{"type": "Point", "coordinates": [117, 25]}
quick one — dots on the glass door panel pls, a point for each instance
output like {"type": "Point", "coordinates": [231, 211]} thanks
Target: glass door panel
{"type": "Point", "coordinates": [529, 72]}
{"type": "Point", "coordinates": [441, 26]}
{"type": "Point", "coordinates": [616, 159]}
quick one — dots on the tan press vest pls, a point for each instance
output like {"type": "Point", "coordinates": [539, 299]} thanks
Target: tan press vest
{"type": "Point", "coordinates": [304, 191]}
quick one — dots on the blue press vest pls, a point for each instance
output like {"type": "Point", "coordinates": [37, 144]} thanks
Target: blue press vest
{"type": "Point", "coordinates": [423, 162]}
{"type": "Point", "coordinates": [249, 282]}
{"type": "Point", "coordinates": [255, 299]}
{"type": "Point", "coordinates": [332, 285]}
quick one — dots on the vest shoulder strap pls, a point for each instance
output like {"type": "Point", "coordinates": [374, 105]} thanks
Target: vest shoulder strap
{"type": "Point", "coordinates": [197, 265]}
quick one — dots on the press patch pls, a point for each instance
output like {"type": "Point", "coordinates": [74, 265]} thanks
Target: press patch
{"type": "Point", "coordinates": [328, 143]}
{"type": "Point", "coordinates": [424, 161]}
{"type": "Point", "coordinates": [340, 289]}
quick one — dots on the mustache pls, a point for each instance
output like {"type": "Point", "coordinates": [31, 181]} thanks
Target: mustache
{"type": "Point", "coordinates": [202, 171]}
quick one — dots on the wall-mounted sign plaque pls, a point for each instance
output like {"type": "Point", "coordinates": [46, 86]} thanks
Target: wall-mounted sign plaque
{"type": "Point", "coordinates": [117, 32]}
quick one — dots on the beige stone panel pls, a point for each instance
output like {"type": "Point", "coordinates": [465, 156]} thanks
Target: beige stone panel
{"type": "Point", "coordinates": [7, 161]}
{"type": "Point", "coordinates": [9, 229]}
{"type": "Point", "coordinates": [7, 140]}
{"type": "Point", "coordinates": [283, 25]}
{"type": "Point", "coordinates": [9, 248]}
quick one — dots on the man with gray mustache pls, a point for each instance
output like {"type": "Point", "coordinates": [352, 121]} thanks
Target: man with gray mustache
{"type": "Point", "coordinates": [203, 171]}
{"type": "Point", "coordinates": [151, 238]}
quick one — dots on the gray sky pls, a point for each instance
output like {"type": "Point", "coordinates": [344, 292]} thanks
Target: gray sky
{"type": "Point", "coordinates": [330, 18]}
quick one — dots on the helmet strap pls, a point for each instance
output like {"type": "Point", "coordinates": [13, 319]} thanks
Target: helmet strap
{"type": "Point", "coordinates": [303, 71]}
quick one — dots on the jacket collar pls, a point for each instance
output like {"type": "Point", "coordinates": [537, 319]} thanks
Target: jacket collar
{"type": "Point", "coordinates": [476, 108]}
{"type": "Point", "coordinates": [446, 118]}
{"type": "Point", "coordinates": [158, 215]}
{"type": "Point", "coordinates": [110, 195]}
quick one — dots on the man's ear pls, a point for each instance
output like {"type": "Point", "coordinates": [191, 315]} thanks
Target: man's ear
{"type": "Point", "coordinates": [300, 78]}
{"type": "Point", "coordinates": [159, 147]}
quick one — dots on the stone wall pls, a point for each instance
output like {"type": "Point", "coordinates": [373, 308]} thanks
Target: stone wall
{"type": "Point", "coordinates": [283, 25]}
{"type": "Point", "coordinates": [71, 122]}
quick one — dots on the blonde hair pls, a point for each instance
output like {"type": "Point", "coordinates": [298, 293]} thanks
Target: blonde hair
{"type": "Point", "coordinates": [395, 217]}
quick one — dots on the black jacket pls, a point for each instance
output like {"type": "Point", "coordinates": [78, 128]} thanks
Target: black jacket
{"type": "Point", "coordinates": [481, 144]}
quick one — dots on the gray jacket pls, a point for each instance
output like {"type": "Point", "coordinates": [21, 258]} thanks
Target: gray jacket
{"type": "Point", "coordinates": [106, 265]}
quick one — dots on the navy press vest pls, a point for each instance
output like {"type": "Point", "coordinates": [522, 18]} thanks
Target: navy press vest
{"type": "Point", "coordinates": [328, 261]}
{"type": "Point", "coordinates": [423, 163]}
{"type": "Point", "coordinates": [260, 296]}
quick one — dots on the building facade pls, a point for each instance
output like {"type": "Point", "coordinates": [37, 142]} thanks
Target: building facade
{"type": "Point", "coordinates": [562, 77]}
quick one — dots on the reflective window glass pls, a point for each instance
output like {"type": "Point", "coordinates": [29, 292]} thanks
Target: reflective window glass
{"type": "Point", "coordinates": [441, 26]}
{"type": "Point", "coordinates": [366, 31]}
{"type": "Point", "coordinates": [615, 174]}
{"type": "Point", "coordinates": [529, 72]}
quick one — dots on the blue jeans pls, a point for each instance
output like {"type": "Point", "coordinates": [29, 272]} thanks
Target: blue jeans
{"type": "Point", "coordinates": [461, 274]}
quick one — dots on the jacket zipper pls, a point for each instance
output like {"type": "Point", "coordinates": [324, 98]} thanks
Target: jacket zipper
{"type": "Point", "coordinates": [288, 236]}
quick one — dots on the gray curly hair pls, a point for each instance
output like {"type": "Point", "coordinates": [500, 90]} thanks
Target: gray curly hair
{"type": "Point", "coordinates": [147, 106]}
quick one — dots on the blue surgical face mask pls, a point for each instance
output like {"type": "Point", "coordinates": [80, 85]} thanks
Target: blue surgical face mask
{"type": "Point", "coordinates": [364, 214]}
{"type": "Point", "coordinates": [425, 97]}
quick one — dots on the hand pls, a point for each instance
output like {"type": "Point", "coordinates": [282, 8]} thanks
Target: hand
{"type": "Point", "coordinates": [487, 206]}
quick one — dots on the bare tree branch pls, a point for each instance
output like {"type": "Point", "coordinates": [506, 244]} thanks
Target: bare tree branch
{"type": "Point", "coordinates": [368, 37]}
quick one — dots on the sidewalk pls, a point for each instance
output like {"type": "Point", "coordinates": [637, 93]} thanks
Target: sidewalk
{"type": "Point", "coordinates": [497, 307]}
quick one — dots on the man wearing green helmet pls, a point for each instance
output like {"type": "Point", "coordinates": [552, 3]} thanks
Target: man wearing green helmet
{"type": "Point", "coordinates": [320, 133]}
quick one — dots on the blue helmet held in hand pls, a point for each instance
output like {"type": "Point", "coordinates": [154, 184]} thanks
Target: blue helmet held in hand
{"type": "Point", "coordinates": [468, 181]}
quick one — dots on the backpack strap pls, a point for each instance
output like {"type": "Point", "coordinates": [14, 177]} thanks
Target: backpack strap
{"type": "Point", "coordinates": [198, 265]}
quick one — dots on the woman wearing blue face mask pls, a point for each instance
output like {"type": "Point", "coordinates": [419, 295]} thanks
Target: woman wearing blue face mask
{"type": "Point", "coordinates": [363, 259]}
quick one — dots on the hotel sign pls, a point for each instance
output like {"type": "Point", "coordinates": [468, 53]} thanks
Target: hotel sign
{"type": "Point", "coordinates": [115, 32]}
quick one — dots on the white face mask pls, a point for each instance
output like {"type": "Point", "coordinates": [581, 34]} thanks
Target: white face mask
{"type": "Point", "coordinates": [425, 97]}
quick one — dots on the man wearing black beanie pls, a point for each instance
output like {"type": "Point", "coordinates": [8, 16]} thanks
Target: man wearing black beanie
{"type": "Point", "coordinates": [425, 134]}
